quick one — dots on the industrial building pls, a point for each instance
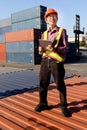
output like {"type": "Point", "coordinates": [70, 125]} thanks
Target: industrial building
{"type": "Point", "coordinates": [19, 36]}
{"type": "Point", "coordinates": [72, 39]}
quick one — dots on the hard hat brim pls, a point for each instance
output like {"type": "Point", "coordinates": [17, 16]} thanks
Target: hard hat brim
{"type": "Point", "coordinates": [50, 12]}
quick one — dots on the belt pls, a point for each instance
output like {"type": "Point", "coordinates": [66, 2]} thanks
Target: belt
{"type": "Point", "coordinates": [48, 58]}
{"type": "Point", "coordinates": [45, 57]}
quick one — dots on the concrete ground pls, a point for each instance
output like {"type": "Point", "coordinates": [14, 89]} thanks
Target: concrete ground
{"type": "Point", "coordinates": [77, 68]}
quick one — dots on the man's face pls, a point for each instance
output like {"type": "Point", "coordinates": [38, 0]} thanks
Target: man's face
{"type": "Point", "coordinates": [51, 19]}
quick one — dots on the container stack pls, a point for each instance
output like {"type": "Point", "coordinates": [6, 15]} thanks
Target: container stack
{"type": "Point", "coordinates": [5, 26]}
{"type": "Point", "coordinates": [22, 46]}
{"type": "Point", "coordinates": [19, 36]}
{"type": "Point", "coordinates": [2, 52]}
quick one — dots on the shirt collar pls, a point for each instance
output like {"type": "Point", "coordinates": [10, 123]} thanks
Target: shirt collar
{"type": "Point", "coordinates": [54, 30]}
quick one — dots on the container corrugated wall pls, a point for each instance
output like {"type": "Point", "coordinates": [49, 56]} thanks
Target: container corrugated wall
{"type": "Point", "coordinates": [27, 14]}
{"type": "Point", "coordinates": [5, 29]}
{"type": "Point", "coordinates": [14, 47]}
{"type": "Point", "coordinates": [2, 52]}
{"type": "Point", "coordinates": [5, 22]}
{"type": "Point", "coordinates": [23, 52]}
{"type": "Point", "coordinates": [30, 18]}
{"type": "Point", "coordinates": [32, 23]}
{"type": "Point", "coordinates": [23, 57]}
{"type": "Point", "coordinates": [23, 35]}
{"type": "Point", "coordinates": [2, 38]}
{"type": "Point", "coordinates": [22, 46]}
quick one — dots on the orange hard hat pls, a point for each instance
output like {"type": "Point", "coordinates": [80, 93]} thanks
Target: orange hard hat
{"type": "Point", "coordinates": [50, 11]}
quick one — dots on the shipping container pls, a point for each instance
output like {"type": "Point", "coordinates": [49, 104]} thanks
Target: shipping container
{"type": "Point", "coordinates": [25, 58]}
{"type": "Point", "coordinates": [20, 57]}
{"type": "Point", "coordinates": [5, 29]}
{"type": "Point", "coordinates": [2, 56]}
{"type": "Point", "coordinates": [27, 46]}
{"type": "Point", "coordinates": [5, 22]}
{"type": "Point", "coordinates": [2, 48]}
{"type": "Point", "coordinates": [43, 27]}
{"type": "Point", "coordinates": [2, 52]}
{"type": "Point", "coordinates": [37, 59]}
{"type": "Point", "coordinates": [2, 38]}
{"type": "Point", "coordinates": [23, 52]}
{"type": "Point", "coordinates": [23, 35]}
{"type": "Point", "coordinates": [72, 54]}
{"type": "Point", "coordinates": [27, 24]}
{"type": "Point", "coordinates": [27, 14]}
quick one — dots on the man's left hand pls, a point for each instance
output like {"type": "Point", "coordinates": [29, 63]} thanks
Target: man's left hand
{"type": "Point", "coordinates": [49, 48]}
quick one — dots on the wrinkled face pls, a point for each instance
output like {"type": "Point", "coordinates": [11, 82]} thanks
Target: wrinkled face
{"type": "Point", "coordinates": [51, 19]}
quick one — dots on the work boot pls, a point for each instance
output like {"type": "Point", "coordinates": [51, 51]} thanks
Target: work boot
{"type": "Point", "coordinates": [65, 112]}
{"type": "Point", "coordinates": [40, 107]}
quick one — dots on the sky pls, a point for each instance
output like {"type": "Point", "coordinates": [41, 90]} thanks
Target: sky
{"type": "Point", "coordinates": [67, 11]}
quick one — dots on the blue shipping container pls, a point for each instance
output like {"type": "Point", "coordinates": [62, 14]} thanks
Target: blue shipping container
{"type": "Point", "coordinates": [29, 46]}
{"type": "Point", "coordinates": [27, 14]}
{"type": "Point", "coordinates": [2, 38]}
{"type": "Point", "coordinates": [5, 29]}
{"type": "Point", "coordinates": [20, 58]}
{"type": "Point", "coordinates": [33, 23]}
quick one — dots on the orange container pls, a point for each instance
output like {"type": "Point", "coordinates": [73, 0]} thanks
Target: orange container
{"type": "Point", "coordinates": [23, 35]}
{"type": "Point", "coordinates": [2, 48]}
{"type": "Point", "coordinates": [2, 56]}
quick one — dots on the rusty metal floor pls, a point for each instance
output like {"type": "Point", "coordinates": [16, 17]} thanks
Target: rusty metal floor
{"type": "Point", "coordinates": [17, 110]}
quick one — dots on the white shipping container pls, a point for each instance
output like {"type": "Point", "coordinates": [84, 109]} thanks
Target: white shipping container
{"type": "Point", "coordinates": [5, 22]}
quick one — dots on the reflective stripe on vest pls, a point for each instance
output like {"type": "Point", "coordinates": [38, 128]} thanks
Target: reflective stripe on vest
{"type": "Point", "coordinates": [54, 55]}
{"type": "Point", "coordinates": [45, 35]}
{"type": "Point", "coordinates": [58, 36]}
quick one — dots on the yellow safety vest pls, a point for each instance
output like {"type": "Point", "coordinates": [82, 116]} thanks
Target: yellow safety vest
{"type": "Point", "coordinates": [52, 54]}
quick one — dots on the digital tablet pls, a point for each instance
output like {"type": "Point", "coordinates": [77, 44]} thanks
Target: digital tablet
{"type": "Point", "coordinates": [44, 43]}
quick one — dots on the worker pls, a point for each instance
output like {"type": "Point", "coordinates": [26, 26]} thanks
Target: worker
{"type": "Point", "coordinates": [53, 62]}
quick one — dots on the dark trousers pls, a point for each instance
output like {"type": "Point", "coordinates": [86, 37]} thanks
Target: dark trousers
{"type": "Point", "coordinates": [48, 67]}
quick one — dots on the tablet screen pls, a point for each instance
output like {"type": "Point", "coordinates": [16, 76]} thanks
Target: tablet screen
{"type": "Point", "coordinates": [44, 43]}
